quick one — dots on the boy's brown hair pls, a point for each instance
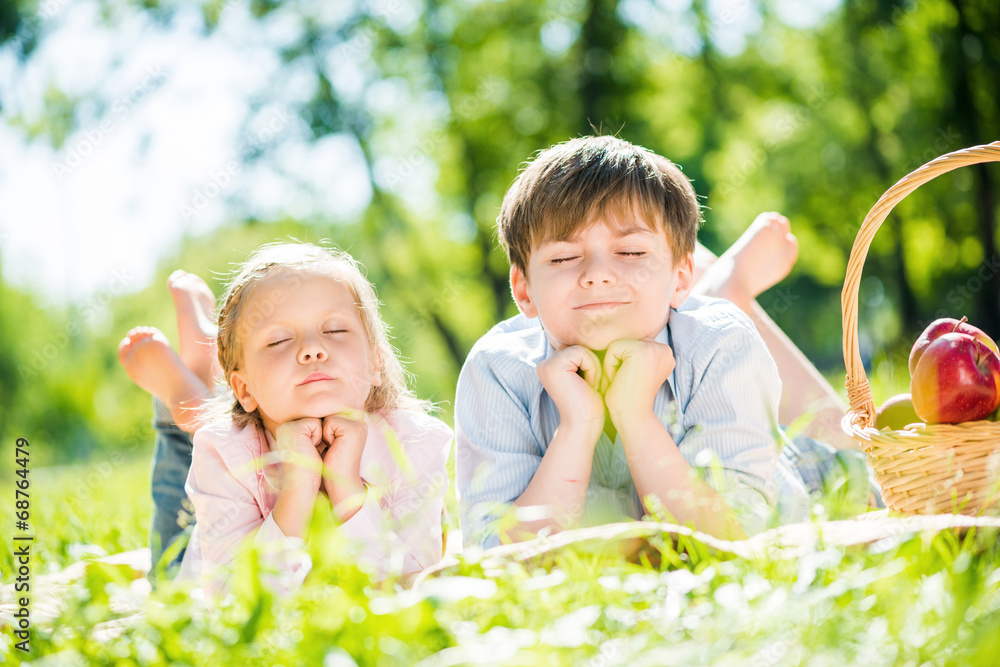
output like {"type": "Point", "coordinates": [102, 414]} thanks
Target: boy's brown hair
{"type": "Point", "coordinates": [557, 192]}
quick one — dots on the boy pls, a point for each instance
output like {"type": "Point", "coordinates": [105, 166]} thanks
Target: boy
{"type": "Point", "coordinates": [613, 387]}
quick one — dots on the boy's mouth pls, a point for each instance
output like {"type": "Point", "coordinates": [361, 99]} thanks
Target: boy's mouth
{"type": "Point", "coordinates": [600, 305]}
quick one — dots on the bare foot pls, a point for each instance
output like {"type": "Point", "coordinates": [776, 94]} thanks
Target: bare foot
{"type": "Point", "coordinates": [765, 253]}
{"type": "Point", "coordinates": [153, 365]}
{"type": "Point", "coordinates": [195, 306]}
{"type": "Point", "coordinates": [760, 258]}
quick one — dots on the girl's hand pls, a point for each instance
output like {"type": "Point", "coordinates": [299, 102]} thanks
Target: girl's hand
{"type": "Point", "coordinates": [297, 442]}
{"type": "Point", "coordinates": [346, 434]}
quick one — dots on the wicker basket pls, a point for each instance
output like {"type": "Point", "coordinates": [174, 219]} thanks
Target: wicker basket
{"type": "Point", "coordinates": [924, 469]}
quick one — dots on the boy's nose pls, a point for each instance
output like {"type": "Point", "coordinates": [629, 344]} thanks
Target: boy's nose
{"type": "Point", "coordinates": [598, 270]}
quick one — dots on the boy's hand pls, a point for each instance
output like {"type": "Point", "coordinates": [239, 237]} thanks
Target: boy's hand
{"type": "Point", "coordinates": [346, 434]}
{"type": "Point", "coordinates": [634, 371]}
{"type": "Point", "coordinates": [571, 378]}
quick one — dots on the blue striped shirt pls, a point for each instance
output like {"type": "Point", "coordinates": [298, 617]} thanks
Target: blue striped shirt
{"type": "Point", "coordinates": [719, 405]}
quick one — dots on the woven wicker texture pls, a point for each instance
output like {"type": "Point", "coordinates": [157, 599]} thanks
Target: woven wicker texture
{"type": "Point", "coordinates": [924, 469]}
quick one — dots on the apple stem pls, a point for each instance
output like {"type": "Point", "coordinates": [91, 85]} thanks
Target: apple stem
{"type": "Point", "coordinates": [960, 323]}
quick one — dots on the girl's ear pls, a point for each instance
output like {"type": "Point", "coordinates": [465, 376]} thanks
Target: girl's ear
{"type": "Point", "coordinates": [684, 276]}
{"type": "Point", "coordinates": [522, 295]}
{"type": "Point", "coordinates": [242, 391]}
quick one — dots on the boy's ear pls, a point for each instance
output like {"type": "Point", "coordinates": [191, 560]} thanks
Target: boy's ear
{"type": "Point", "coordinates": [685, 281]}
{"type": "Point", "coordinates": [242, 391]}
{"type": "Point", "coordinates": [519, 288]}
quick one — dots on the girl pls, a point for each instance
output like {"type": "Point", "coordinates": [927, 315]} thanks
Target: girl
{"type": "Point", "coordinates": [316, 396]}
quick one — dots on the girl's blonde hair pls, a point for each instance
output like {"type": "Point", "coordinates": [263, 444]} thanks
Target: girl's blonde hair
{"type": "Point", "coordinates": [392, 393]}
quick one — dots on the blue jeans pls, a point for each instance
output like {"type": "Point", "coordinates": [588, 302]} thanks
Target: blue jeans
{"type": "Point", "coordinates": [171, 462]}
{"type": "Point", "coordinates": [824, 469]}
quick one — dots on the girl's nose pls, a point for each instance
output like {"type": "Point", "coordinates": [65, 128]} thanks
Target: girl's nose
{"type": "Point", "coordinates": [311, 351]}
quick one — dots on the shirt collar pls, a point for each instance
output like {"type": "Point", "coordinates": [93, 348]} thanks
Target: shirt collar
{"type": "Point", "coordinates": [666, 338]}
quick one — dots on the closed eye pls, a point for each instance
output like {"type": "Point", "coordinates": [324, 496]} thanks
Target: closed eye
{"type": "Point", "coordinates": [333, 331]}
{"type": "Point", "coordinates": [278, 342]}
{"type": "Point", "coordinates": [560, 260]}
{"type": "Point", "coordinates": [633, 253]}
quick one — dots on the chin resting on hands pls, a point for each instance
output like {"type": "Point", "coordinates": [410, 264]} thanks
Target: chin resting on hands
{"type": "Point", "coordinates": [633, 372]}
{"type": "Point", "coordinates": [572, 377]}
{"type": "Point", "coordinates": [345, 435]}
{"type": "Point", "coordinates": [298, 442]}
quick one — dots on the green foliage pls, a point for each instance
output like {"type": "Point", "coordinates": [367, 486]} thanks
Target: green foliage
{"type": "Point", "coordinates": [816, 121]}
{"type": "Point", "coordinates": [908, 599]}
{"type": "Point", "coordinates": [47, 383]}
{"type": "Point", "coordinates": [81, 510]}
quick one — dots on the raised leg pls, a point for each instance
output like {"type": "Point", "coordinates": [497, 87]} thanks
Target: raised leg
{"type": "Point", "coordinates": [806, 394]}
{"type": "Point", "coordinates": [759, 259]}
{"type": "Point", "coordinates": [153, 365]}
{"type": "Point", "coordinates": [196, 328]}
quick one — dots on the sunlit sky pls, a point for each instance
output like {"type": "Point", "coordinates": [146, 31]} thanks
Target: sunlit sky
{"type": "Point", "coordinates": [157, 150]}
{"type": "Point", "coordinates": [161, 158]}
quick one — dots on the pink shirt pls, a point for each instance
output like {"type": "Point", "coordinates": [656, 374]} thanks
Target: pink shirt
{"type": "Point", "coordinates": [234, 486]}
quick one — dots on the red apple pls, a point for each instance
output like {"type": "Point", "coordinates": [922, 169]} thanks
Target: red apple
{"type": "Point", "coordinates": [957, 379]}
{"type": "Point", "coordinates": [938, 328]}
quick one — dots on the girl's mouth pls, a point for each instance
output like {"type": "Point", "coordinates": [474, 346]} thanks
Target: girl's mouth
{"type": "Point", "coordinates": [315, 377]}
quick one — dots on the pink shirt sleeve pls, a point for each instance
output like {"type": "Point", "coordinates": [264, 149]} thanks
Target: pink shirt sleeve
{"type": "Point", "coordinates": [228, 514]}
{"type": "Point", "coordinates": [398, 529]}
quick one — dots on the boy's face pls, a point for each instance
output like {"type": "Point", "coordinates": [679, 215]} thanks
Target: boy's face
{"type": "Point", "coordinates": [608, 282]}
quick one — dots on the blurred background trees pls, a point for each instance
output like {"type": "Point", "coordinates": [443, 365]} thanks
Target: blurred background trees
{"type": "Point", "coordinates": [812, 109]}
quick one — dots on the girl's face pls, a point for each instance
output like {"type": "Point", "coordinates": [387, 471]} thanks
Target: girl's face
{"type": "Point", "coordinates": [305, 351]}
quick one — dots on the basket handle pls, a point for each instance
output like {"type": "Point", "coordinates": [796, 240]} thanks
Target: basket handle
{"type": "Point", "coordinates": [858, 391]}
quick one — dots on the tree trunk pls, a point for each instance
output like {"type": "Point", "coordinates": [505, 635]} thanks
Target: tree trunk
{"type": "Point", "coordinates": [600, 35]}
{"type": "Point", "coordinates": [908, 310]}
{"type": "Point", "coordinates": [967, 119]}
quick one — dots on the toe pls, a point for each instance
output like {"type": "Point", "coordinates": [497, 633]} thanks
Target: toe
{"type": "Point", "coordinates": [134, 336]}
{"type": "Point", "coordinates": [778, 221]}
{"type": "Point", "coordinates": [135, 333]}
{"type": "Point", "coordinates": [124, 347]}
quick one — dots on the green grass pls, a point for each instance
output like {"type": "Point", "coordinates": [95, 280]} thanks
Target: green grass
{"type": "Point", "coordinates": [927, 600]}
{"type": "Point", "coordinates": [98, 507]}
